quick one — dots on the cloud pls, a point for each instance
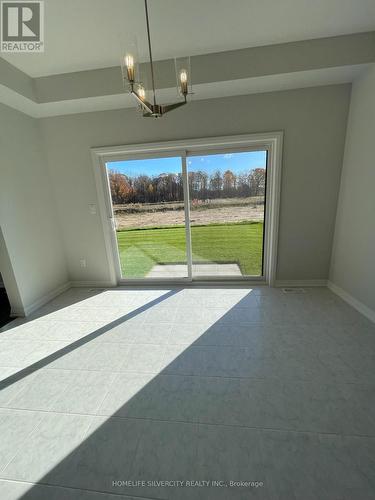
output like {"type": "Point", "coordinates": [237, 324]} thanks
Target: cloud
{"type": "Point", "coordinates": [227, 156]}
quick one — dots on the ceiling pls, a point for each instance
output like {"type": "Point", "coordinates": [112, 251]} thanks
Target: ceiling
{"type": "Point", "coordinates": [88, 34]}
{"type": "Point", "coordinates": [213, 90]}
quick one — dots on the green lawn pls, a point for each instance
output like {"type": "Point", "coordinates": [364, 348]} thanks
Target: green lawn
{"type": "Point", "coordinates": [141, 249]}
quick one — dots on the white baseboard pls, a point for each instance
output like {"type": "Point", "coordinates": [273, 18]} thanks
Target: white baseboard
{"type": "Point", "coordinates": [17, 312]}
{"type": "Point", "coordinates": [362, 308]}
{"type": "Point", "coordinates": [27, 310]}
{"type": "Point", "coordinates": [359, 306]}
{"type": "Point", "coordinates": [300, 283]}
{"type": "Point", "coordinates": [42, 300]}
{"type": "Point", "coordinates": [92, 284]}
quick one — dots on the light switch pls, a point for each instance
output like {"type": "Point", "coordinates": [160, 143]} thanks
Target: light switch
{"type": "Point", "coordinates": [92, 209]}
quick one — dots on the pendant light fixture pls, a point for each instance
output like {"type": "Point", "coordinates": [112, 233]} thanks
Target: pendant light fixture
{"type": "Point", "coordinates": [130, 73]}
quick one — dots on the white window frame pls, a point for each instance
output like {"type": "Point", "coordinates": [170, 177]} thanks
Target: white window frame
{"type": "Point", "coordinates": [272, 142]}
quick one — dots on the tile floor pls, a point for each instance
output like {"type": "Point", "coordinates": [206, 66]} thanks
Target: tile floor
{"type": "Point", "coordinates": [102, 390]}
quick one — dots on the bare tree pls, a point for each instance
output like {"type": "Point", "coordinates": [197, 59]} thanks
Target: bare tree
{"type": "Point", "coordinates": [168, 187]}
{"type": "Point", "coordinates": [229, 183]}
{"type": "Point", "coordinates": [258, 181]}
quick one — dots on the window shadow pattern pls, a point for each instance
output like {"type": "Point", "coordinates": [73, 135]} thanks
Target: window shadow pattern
{"type": "Point", "coordinates": [255, 401]}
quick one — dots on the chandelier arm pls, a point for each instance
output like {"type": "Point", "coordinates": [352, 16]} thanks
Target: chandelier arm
{"type": "Point", "coordinates": [145, 104]}
{"type": "Point", "coordinates": [169, 107]}
{"type": "Point", "coordinates": [150, 53]}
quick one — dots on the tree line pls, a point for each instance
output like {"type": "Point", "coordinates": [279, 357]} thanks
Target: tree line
{"type": "Point", "coordinates": [169, 187]}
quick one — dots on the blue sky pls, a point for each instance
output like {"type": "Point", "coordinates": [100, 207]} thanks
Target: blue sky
{"type": "Point", "coordinates": [237, 162]}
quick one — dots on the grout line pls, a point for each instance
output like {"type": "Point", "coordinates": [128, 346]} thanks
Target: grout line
{"type": "Point", "coordinates": [230, 377]}
{"type": "Point", "coordinates": [7, 335]}
{"type": "Point", "coordinates": [72, 488]}
{"type": "Point", "coordinates": [180, 421]}
{"type": "Point", "coordinates": [114, 375]}
{"type": "Point", "coordinates": [14, 396]}
{"type": "Point", "coordinates": [24, 440]}
{"type": "Point", "coordinates": [90, 422]}
{"type": "Point", "coordinates": [33, 431]}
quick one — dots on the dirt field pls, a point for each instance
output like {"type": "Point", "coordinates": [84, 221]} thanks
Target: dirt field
{"type": "Point", "coordinates": [173, 217]}
{"type": "Point", "coordinates": [195, 204]}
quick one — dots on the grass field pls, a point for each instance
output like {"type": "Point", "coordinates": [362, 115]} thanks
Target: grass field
{"type": "Point", "coordinates": [141, 249]}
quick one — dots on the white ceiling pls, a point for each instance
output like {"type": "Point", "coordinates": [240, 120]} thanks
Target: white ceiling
{"type": "Point", "coordinates": [87, 34]}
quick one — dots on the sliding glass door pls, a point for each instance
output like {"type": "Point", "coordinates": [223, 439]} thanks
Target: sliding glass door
{"type": "Point", "coordinates": [190, 216]}
{"type": "Point", "coordinates": [227, 202]}
{"type": "Point", "coordinates": [149, 211]}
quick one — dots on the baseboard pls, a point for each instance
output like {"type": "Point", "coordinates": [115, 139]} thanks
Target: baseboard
{"type": "Point", "coordinates": [27, 310]}
{"type": "Point", "coordinates": [17, 312]}
{"type": "Point", "coordinates": [92, 284]}
{"type": "Point", "coordinates": [300, 283]}
{"type": "Point", "coordinates": [44, 299]}
{"type": "Point", "coordinates": [352, 301]}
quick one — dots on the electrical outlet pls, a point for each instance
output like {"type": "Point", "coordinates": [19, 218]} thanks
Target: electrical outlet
{"type": "Point", "coordinates": [82, 262]}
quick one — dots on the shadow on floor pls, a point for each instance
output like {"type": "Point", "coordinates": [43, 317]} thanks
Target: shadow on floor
{"type": "Point", "coordinates": [180, 425]}
{"type": "Point", "coordinates": [43, 363]}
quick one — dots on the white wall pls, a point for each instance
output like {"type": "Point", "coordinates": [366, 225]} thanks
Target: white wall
{"type": "Point", "coordinates": [28, 219]}
{"type": "Point", "coordinates": [353, 255]}
{"type": "Point", "coordinates": [314, 122]}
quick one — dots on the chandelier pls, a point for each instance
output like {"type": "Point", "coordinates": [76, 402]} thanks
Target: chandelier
{"type": "Point", "coordinates": [130, 73]}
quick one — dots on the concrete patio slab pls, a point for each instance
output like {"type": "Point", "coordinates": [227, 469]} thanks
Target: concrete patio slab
{"type": "Point", "coordinates": [180, 270]}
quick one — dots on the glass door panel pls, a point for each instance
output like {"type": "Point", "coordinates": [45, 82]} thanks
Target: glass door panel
{"type": "Point", "coordinates": [148, 206]}
{"type": "Point", "coordinates": [227, 208]}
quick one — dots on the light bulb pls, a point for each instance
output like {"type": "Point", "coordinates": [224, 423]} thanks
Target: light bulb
{"type": "Point", "coordinates": [129, 63]}
{"type": "Point", "coordinates": [183, 81]}
{"type": "Point", "coordinates": [183, 76]}
{"type": "Point", "coordinates": [141, 92]}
